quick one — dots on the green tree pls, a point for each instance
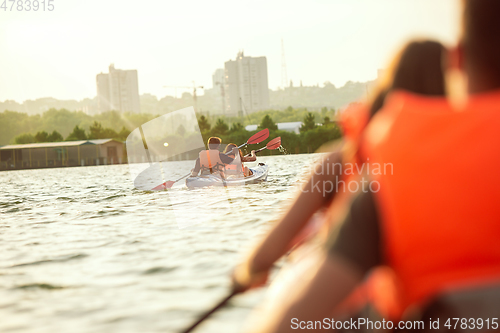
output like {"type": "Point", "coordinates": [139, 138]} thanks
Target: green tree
{"type": "Point", "coordinates": [24, 138]}
{"type": "Point", "coordinates": [237, 138]}
{"type": "Point", "coordinates": [315, 138]}
{"type": "Point", "coordinates": [108, 133]}
{"type": "Point", "coordinates": [267, 122]}
{"type": "Point", "coordinates": [123, 134]}
{"type": "Point", "coordinates": [42, 136]}
{"type": "Point", "coordinates": [327, 121]}
{"type": "Point", "coordinates": [14, 123]}
{"type": "Point", "coordinates": [203, 124]}
{"type": "Point", "coordinates": [133, 120]}
{"type": "Point", "coordinates": [62, 120]}
{"type": "Point", "coordinates": [220, 127]}
{"type": "Point", "coordinates": [110, 119]}
{"type": "Point", "coordinates": [55, 136]}
{"type": "Point", "coordinates": [236, 127]}
{"type": "Point", "coordinates": [96, 131]}
{"type": "Point", "coordinates": [308, 123]}
{"type": "Point", "coordinates": [77, 134]}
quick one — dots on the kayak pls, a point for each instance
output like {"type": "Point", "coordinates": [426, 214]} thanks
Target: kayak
{"type": "Point", "coordinates": [259, 175]}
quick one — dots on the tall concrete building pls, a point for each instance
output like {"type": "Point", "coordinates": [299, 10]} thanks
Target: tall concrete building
{"type": "Point", "coordinates": [118, 90]}
{"type": "Point", "coordinates": [217, 77]}
{"type": "Point", "coordinates": [247, 88]}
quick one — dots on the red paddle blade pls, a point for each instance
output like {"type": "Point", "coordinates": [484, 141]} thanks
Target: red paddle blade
{"type": "Point", "coordinates": [258, 137]}
{"type": "Point", "coordinates": [169, 184]}
{"type": "Point", "coordinates": [164, 186]}
{"type": "Point", "coordinates": [274, 143]}
{"type": "Point", "coordinates": [159, 187]}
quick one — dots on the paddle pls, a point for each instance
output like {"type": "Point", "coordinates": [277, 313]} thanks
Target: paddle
{"type": "Point", "coordinates": [211, 311]}
{"type": "Point", "coordinates": [169, 184]}
{"type": "Point", "coordinates": [271, 145]}
{"type": "Point", "coordinates": [254, 139]}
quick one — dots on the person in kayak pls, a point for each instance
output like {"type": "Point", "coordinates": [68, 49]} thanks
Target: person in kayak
{"type": "Point", "coordinates": [238, 168]}
{"type": "Point", "coordinates": [439, 237]}
{"type": "Point", "coordinates": [212, 161]}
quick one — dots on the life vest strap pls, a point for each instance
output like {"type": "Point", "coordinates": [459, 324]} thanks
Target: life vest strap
{"type": "Point", "coordinates": [209, 161]}
{"type": "Point", "coordinates": [213, 164]}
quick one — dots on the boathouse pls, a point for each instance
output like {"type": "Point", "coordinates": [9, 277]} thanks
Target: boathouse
{"type": "Point", "coordinates": [61, 154]}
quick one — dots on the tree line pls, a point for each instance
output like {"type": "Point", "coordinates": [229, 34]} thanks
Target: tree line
{"type": "Point", "coordinates": [60, 125]}
{"type": "Point", "coordinates": [312, 134]}
{"type": "Point", "coordinates": [63, 125]}
{"type": "Point", "coordinates": [96, 131]}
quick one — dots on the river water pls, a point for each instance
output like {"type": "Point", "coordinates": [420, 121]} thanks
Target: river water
{"type": "Point", "coordinates": [83, 251]}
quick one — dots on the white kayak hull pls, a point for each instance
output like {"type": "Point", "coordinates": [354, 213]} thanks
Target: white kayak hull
{"type": "Point", "coordinates": [259, 175]}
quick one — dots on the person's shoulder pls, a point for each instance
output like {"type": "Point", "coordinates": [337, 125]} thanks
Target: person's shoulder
{"type": "Point", "coordinates": [486, 102]}
{"type": "Point", "coordinates": [353, 119]}
{"type": "Point", "coordinates": [405, 114]}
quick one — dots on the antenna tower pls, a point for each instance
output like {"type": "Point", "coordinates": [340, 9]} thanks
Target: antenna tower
{"type": "Point", "coordinates": [284, 77]}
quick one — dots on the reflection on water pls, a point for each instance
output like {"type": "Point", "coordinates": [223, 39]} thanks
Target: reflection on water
{"type": "Point", "coordinates": [83, 251]}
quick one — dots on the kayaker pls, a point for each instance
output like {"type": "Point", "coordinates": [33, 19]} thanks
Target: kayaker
{"type": "Point", "coordinates": [418, 62]}
{"type": "Point", "coordinates": [238, 167]}
{"type": "Point", "coordinates": [439, 236]}
{"type": "Point", "coordinates": [211, 161]}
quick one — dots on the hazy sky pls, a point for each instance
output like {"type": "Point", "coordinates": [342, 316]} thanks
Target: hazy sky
{"type": "Point", "coordinates": [58, 54]}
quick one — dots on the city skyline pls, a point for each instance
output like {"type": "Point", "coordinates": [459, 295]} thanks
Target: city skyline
{"type": "Point", "coordinates": [57, 53]}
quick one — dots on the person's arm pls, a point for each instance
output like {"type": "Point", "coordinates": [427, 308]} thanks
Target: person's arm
{"type": "Point", "coordinates": [253, 271]}
{"type": "Point", "coordinates": [249, 158]}
{"type": "Point", "coordinates": [313, 299]}
{"type": "Point", "coordinates": [352, 250]}
{"type": "Point", "coordinates": [196, 169]}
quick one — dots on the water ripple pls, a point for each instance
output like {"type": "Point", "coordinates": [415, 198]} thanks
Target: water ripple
{"type": "Point", "coordinates": [46, 286]}
{"type": "Point", "coordinates": [134, 269]}
{"type": "Point", "coordinates": [158, 270]}
{"type": "Point", "coordinates": [51, 261]}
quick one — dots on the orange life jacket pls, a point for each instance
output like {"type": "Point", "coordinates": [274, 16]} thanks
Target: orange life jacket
{"type": "Point", "coordinates": [439, 209]}
{"type": "Point", "coordinates": [210, 161]}
{"type": "Point", "coordinates": [234, 168]}
{"type": "Point", "coordinates": [353, 122]}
